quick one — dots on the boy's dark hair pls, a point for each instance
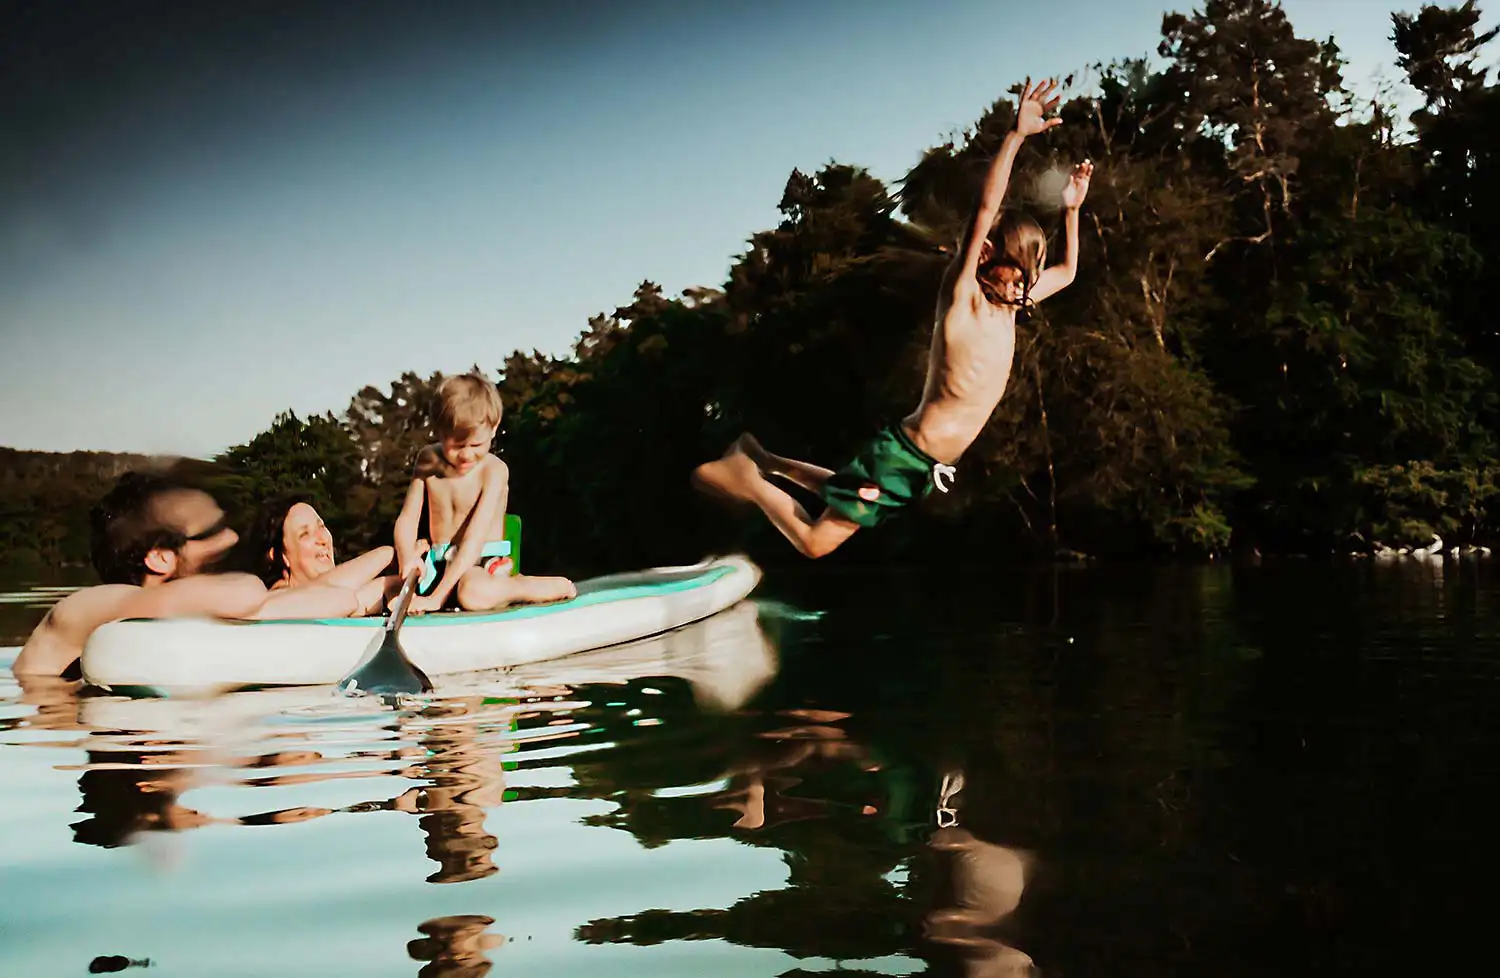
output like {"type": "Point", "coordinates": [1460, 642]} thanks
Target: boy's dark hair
{"type": "Point", "coordinates": [123, 529]}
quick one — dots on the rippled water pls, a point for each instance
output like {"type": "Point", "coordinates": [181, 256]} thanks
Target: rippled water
{"type": "Point", "coordinates": [1206, 770]}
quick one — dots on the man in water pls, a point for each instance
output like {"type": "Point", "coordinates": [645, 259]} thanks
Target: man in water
{"type": "Point", "coordinates": [153, 542]}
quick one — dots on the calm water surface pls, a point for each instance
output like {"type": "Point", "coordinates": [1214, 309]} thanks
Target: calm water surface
{"type": "Point", "coordinates": [1279, 770]}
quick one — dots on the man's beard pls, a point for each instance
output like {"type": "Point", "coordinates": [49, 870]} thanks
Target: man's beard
{"type": "Point", "coordinates": [220, 563]}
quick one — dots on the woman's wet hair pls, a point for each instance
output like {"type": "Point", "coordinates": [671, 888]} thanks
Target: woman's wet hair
{"type": "Point", "coordinates": [264, 545]}
{"type": "Point", "coordinates": [124, 527]}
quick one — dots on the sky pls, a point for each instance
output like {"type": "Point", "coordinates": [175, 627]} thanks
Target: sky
{"type": "Point", "coordinates": [213, 213]}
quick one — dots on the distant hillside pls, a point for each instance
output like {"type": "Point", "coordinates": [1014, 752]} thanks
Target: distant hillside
{"type": "Point", "coordinates": [45, 499]}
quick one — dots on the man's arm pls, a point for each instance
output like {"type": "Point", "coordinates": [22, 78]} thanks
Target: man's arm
{"type": "Point", "coordinates": [211, 595]}
{"type": "Point", "coordinates": [316, 600]}
{"type": "Point", "coordinates": [1061, 275]}
{"type": "Point", "coordinates": [1031, 108]}
{"type": "Point", "coordinates": [491, 503]}
{"type": "Point", "coordinates": [241, 596]}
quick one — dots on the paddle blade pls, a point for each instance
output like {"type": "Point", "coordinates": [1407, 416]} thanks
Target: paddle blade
{"type": "Point", "coordinates": [387, 670]}
{"type": "Point", "coordinates": [385, 667]}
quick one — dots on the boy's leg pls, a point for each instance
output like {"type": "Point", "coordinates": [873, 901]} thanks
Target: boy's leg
{"type": "Point", "coordinates": [805, 474]}
{"type": "Point", "coordinates": [478, 590]}
{"type": "Point", "coordinates": [737, 476]}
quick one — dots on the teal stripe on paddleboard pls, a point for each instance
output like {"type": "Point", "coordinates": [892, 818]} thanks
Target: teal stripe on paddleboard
{"type": "Point", "coordinates": [440, 619]}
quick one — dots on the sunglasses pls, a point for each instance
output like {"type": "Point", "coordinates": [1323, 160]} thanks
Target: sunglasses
{"type": "Point", "coordinates": [212, 531]}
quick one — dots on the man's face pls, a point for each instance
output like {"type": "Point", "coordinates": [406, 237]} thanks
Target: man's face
{"type": "Point", "coordinates": [196, 516]}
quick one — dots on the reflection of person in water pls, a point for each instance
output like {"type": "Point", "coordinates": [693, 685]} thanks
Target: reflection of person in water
{"type": "Point", "coordinates": [131, 792]}
{"type": "Point", "coordinates": [466, 776]}
{"type": "Point", "coordinates": [784, 749]}
{"type": "Point", "coordinates": [810, 788]}
{"type": "Point", "coordinates": [455, 946]}
{"type": "Point", "coordinates": [55, 700]}
{"type": "Point", "coordinates": [987, 880]}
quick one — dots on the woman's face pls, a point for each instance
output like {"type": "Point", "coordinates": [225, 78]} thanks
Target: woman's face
{"type": "Point", "coordinates": [306, 545]}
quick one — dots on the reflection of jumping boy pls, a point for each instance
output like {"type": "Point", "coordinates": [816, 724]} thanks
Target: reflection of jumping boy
{"type": "Point", "coordinates": [464, 489]}
{"type": "Point", "coordinates": [968, 368]}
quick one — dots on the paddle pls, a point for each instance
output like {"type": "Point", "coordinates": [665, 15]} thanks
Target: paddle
{"type": "Point", "coordinates": [384, 668]}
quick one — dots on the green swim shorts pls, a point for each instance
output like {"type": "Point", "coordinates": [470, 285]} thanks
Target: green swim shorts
{"type": "Point", "coordinates": [889, 474]}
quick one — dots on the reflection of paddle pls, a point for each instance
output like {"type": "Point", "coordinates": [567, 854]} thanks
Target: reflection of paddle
{"type": "Point", "coordinates": [384, 668]}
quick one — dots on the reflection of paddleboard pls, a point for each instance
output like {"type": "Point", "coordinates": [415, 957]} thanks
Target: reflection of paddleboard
{"type": "Point", "coordinates": [725, 658]}
{"type": "Point", "coordinates": [196, 655]}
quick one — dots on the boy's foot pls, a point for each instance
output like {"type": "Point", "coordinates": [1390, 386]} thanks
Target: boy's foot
{"type": "Point", "coordinates": [728, 478]}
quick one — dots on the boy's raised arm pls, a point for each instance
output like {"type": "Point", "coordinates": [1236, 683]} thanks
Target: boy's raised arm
{"type": "Point", "coordinates": [1033, 105]}
{"type": "Point", "coordinates": [1061, 275]}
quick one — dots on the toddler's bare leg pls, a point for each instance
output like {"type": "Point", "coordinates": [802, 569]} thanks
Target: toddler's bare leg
{"type": "Point", "coordinates": [478, 590]}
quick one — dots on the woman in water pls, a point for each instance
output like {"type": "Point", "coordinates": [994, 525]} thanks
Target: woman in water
{"type": "Point", "coordinates": [290, 546]}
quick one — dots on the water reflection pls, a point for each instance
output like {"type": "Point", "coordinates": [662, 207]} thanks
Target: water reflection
{"type": "Point", "coordinates": [463, 775]}
{"type": "Point", "coordinates": [142, 755]}
{"type": "Point", "coordinates": [1213, 767]}
{"type": "Point", "coordinates": [987, 882]}
{"type": "Point", "coordinates": [455, 946]}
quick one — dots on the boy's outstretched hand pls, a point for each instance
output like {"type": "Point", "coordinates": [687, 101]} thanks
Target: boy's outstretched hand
{"type": "Point", "coordinates": [1035, 103]}
{"type": "Point", "coordinates": [1077, 187]}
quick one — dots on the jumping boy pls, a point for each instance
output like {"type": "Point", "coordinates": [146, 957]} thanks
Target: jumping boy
{"type": "Point", "coordinates": [464, 489]}
{"type": "Point", "coordinates": [989, 279]}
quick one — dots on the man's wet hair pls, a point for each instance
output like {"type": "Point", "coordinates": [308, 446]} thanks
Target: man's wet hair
{"type": "Point", "coordinates": [123, 528]}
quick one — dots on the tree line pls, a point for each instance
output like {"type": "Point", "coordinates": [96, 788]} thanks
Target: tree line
{"type": "Point", "coordinates": [1280, 338]}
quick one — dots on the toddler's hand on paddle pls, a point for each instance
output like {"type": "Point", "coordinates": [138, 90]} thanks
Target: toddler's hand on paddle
{"type": "Point", "coordinates": [414, 562]}
{"type": "Point", "coordinates": [1035, 103]}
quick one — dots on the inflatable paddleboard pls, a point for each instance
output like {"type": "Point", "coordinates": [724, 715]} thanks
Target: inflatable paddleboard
{"type": "Point", "coordinates": [196, 656]}
{"type": "Point", "coordinates": [725, 659]}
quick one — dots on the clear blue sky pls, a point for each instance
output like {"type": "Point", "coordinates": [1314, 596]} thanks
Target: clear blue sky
{"type": "Point", "coordinates": [198, 233]}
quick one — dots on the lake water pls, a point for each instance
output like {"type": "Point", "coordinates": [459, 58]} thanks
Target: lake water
{"type": "Point", "coordinates": [1227, 771]}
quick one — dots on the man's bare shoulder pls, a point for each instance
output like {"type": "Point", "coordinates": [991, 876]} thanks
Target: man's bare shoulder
{"type": "Point", "coordinates": [217, 595]}
{"type": "Point", "coordinates": [83, 611]}
{"type": "Point", "coordinates": [58, 639]}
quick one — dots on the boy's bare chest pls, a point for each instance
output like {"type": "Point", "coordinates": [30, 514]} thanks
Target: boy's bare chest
{"type": "Point", "coordinates": [452, 499]}
{"type": "Point", "coordinates": [969, 344]}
